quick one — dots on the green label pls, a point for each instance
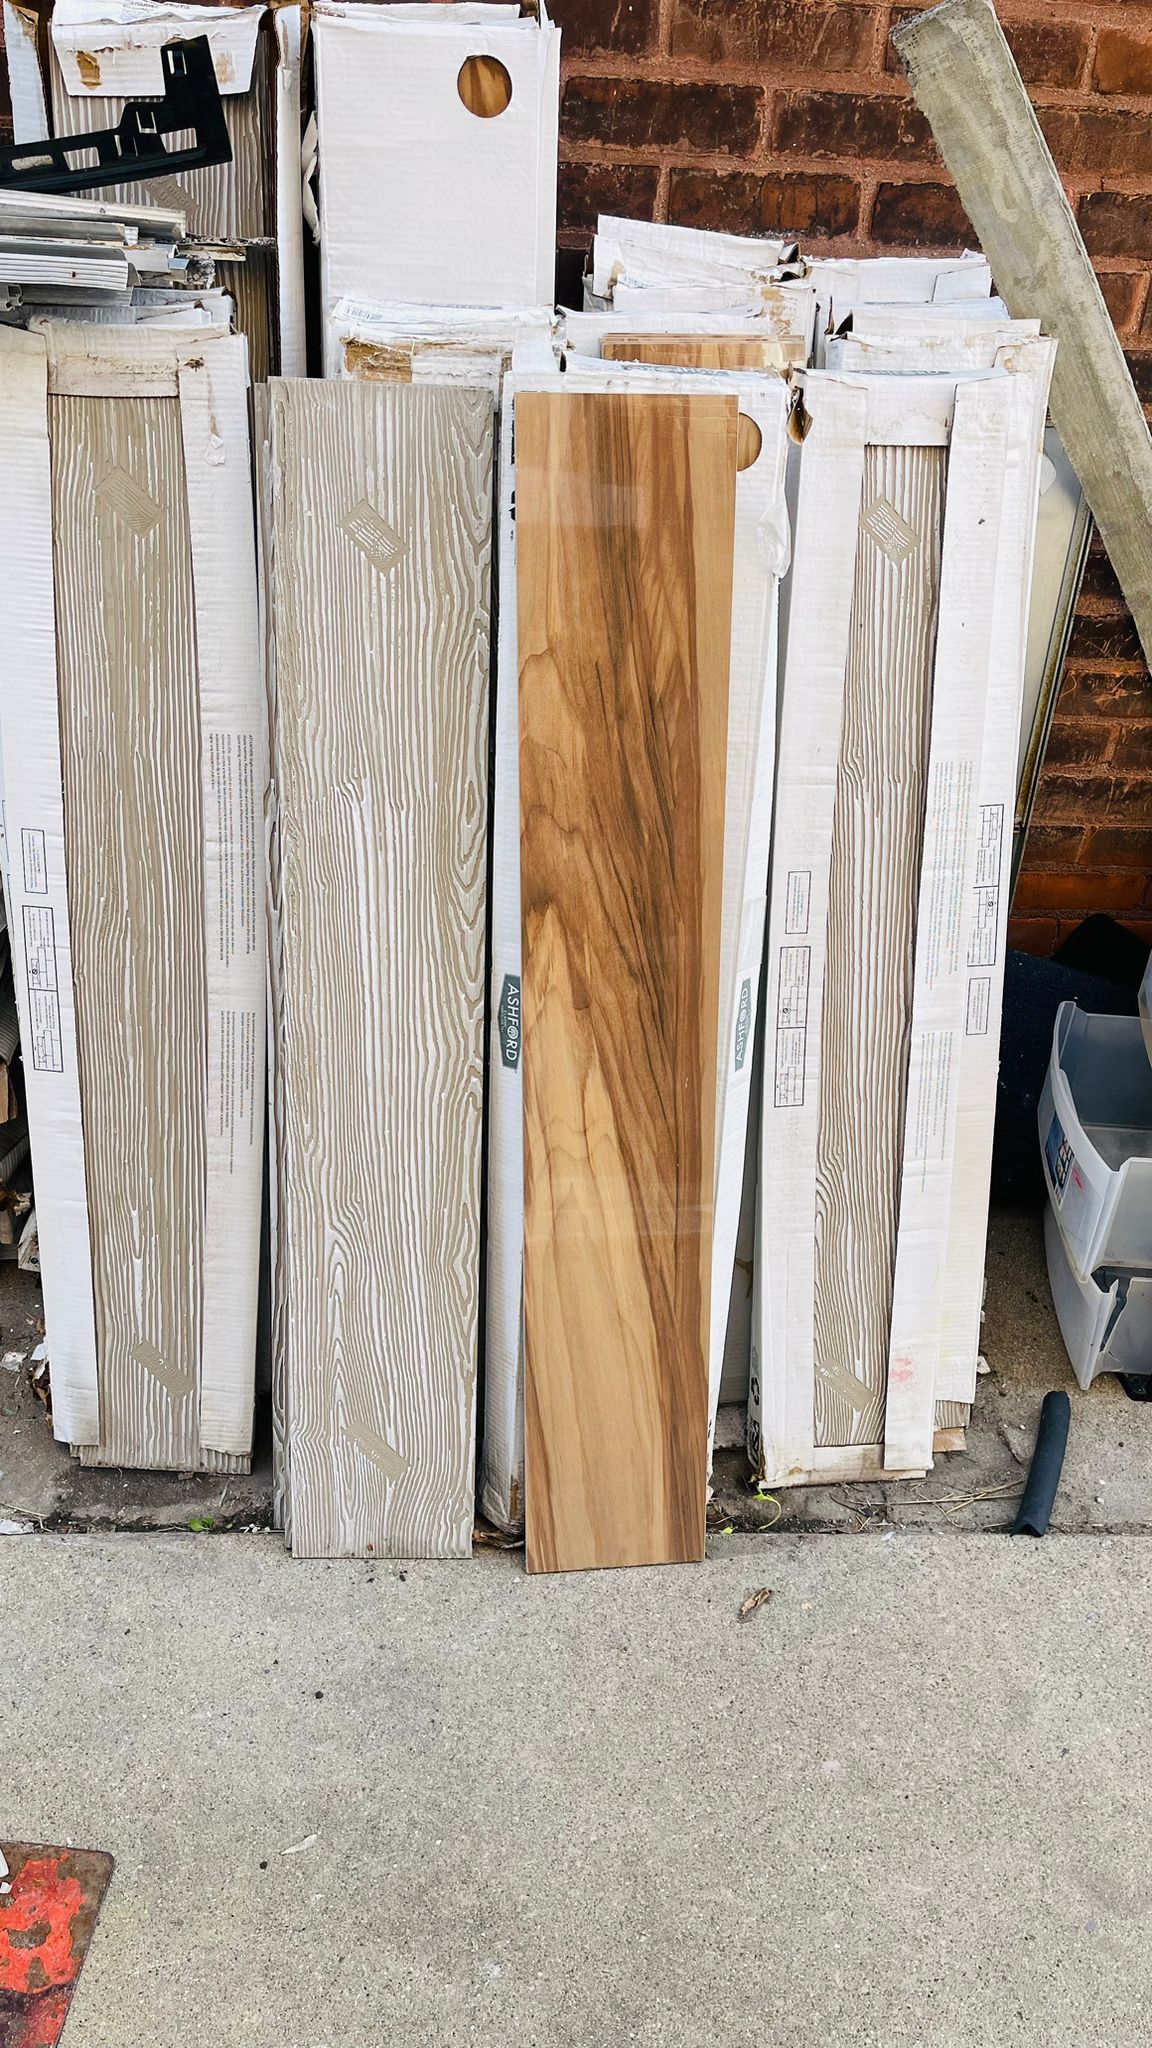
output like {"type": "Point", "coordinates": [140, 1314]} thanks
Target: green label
{"type": "Point", "coordinates": [743, 1023]}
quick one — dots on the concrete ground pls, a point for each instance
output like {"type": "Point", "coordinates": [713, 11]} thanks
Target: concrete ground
{"type": "Point", "coordinates": [907, 1802]}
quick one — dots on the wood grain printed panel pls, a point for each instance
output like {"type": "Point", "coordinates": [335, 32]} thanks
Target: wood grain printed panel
{"type": "Point", "coordinates": [381, 540]}
{"type": "Point", "coordinates": [873, 886]}
{"type": "Point", "coordinates": [130, 748]}
{"type": "Point", "coordinates": [232, 202]}
{"type": "Point", "coordinates": [625, 516]}
{"type": "Point", "coordinates": [694, 351]}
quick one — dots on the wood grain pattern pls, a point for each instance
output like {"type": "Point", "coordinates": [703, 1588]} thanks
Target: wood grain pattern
{"type": "Point", "coordinates": [871, 933]}
{"type": "Point", "coordinates": [130, 745]}
{"type": "Point", "coordinates": [223, 202]}
{"type": "Point", "coordinates": [381, 538]}
{"type": "Point", "coordinates": [694, 351]}
{"type": "Point", "coordinates": [964, 77]}
{"type": "Point", "coordinates": [625, 517]}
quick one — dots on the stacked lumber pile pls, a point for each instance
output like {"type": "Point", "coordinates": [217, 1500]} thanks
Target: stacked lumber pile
{"type": "Point", "coordinates": [633, 698]}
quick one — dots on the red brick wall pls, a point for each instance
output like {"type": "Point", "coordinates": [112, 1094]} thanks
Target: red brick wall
{"type": "Point", "coordinates": [766, 115]}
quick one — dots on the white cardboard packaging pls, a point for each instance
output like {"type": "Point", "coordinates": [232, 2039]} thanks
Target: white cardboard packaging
{"type": "Point", "coordinates": [848, 412]}
{"type": "Point", "coordinates": [105, 51]}
{"type": "Point", "coordinates": [422, 201]}
{"type": "Point", "coordinates": [209, 378]}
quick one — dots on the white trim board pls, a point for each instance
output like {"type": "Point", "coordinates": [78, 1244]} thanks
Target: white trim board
{"type": "Point", "coordinates": [761, 552]}
{"type": "Point", "coordinates": [234, 770]}
{"type": "Point", "coordinates": [34, 818]}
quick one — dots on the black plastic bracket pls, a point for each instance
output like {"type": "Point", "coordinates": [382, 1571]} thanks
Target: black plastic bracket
{"type": "Point", "coordinates": [135, 148]}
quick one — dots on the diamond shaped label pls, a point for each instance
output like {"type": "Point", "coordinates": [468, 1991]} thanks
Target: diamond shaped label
{"type": "Point", "coordinates": [129, 502]}
{"type": "Point", "coordinates": [890, 531]}
{"type": "Point", "coordinates": [373, 536]}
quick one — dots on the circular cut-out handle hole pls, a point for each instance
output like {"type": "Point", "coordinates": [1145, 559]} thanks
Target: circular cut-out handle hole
{"type": "Point", "coordinates": [484, 86]}
{"type": "Point", "coordinates": [749, 441]}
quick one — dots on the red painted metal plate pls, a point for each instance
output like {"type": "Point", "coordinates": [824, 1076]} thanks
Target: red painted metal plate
{"type": "Point", "coordinates": [49, 1901]}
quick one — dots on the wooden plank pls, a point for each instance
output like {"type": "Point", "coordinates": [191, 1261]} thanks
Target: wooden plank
{"type": "Point", "coordinates": [130, 747]}
{"type": "Point", "coordinates": [695, 351]}
{"type": "Point", "coordinates": [965, 79]}
{"type": "Point", "coordinates": [381, 536]}
{"type": "Point", "coordinates": [871, 934]}
{"type": "Point", "coordinates": [625, 515]}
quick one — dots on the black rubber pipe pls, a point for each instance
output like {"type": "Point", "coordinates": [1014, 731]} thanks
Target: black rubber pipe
{"type": "Point", "coordinates": [1035, 1511]}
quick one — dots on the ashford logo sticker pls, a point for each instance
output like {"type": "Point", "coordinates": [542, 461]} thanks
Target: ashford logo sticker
{"type": "Point", "coordinates": [509, 1017]}
{"type": "Point", "coordinates": [743, 1023]}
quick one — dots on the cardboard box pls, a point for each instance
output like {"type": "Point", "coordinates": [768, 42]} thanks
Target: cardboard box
{"type": "Point", "coordinates": [100, 53]}
{"type": "Point", "coordinates": [430, 193]}
{"type": "Point", "coordinates": [143, 1418]}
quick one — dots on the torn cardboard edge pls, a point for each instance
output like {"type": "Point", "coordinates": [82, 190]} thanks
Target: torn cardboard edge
{"type": "Point", "coordinates": [421, 201]}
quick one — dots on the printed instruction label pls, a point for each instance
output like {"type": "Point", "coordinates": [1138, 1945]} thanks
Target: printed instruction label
{"type": "Point", "coordinates": [792, 1026]}
{"type": "Point", "coordinates": [932, 1097]}
{"type": "Point", "coordinates": [942, 916]}
{"type": "Point", "coordinates": [35, 852]}
{"type": "Point", "coordinates": [984, 938]}
{"type": "Point", "coordinates": [236, 1036]}
{"type": "Point", "coordinates": [1059, 1159]}
{"type": "Point", "coordinates": [43, 996]}
{"type": "Point", "coordinates": [232, 772]}
{"type": "Point", "coordinates": [798, 902]}
{"type": "Point", "coordinates": [979, 1006]}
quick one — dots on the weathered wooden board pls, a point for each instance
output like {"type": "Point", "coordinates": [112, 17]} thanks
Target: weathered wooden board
{"type": "Point", "coordinates": [130, 746]}
{"type": "Point", "coordinates": [964, 77]}
{"type": "Point", "coordinates": [381, 535]}
{"type": "Point", "coordinates": [625, 514]}
{"type": "Point", "coordinates": [694, 351]}
{"type": "Point", "coordinates": [873, 888]}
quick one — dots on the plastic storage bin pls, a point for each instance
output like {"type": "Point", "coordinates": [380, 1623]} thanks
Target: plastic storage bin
{"type": "Point", "coordinates": [1106, 1322]}
{"type": "Point", "coordinates": [1096, 1139]}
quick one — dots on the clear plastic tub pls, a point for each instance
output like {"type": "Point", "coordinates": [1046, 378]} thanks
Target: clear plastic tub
{"type": "Point", "coordinates": [1106, 1322]}
{"type": "Point", "coordinates": [1096, 1140]}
